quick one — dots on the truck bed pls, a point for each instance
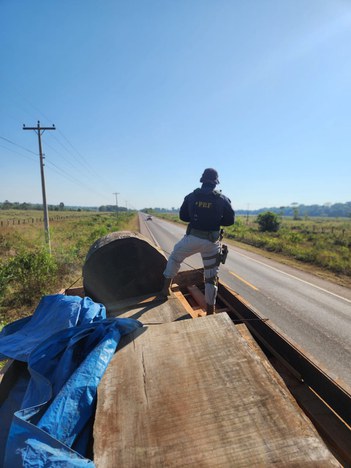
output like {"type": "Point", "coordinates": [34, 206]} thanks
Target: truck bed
{"type": "Point", "coordinates": [188, 389]}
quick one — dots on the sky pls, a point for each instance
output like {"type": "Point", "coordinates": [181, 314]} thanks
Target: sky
{"type": "Point", "coordinates": [146, 94]}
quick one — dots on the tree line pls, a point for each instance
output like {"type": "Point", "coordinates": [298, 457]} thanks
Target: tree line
{"type": "Point", "coordinates": [336, 210]}
{"type": "Point", "coordinates": [7, 205]}
{"type": "Point", "coordinates": [295, 210]}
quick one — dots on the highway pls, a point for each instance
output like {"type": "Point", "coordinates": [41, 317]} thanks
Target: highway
{"type": "Point", "coordinates": [313, 313]}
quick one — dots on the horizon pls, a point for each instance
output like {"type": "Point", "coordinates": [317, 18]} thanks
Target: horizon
{"type": "Point", "coordinates": [122, 207]}
{"type": "Point", "coordinates": [144, 97]}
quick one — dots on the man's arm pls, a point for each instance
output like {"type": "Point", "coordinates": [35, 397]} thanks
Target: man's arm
{"type": "Point", "coordinates": [184, 214]}
{"type": "Point", "coordinates": [228, 213]}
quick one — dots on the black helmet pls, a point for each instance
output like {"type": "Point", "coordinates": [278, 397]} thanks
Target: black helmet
{"type": "Point", "coordinates": [210, 176]}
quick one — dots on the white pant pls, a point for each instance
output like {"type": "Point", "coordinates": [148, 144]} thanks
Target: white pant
{"type": "Point", "coordinates": [190, 245]}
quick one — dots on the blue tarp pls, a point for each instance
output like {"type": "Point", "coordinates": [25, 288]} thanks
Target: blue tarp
{"type": "Point", "coordinates": [54, 313]}
{"type": "Point", "coordinates": [53, 425]}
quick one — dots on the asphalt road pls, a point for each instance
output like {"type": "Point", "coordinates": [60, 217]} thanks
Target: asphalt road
{"type": "Point", "coordinates": [314, 313]}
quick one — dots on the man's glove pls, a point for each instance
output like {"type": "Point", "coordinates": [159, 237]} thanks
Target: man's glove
{"type": "Point", "coordinates": [223, 254]}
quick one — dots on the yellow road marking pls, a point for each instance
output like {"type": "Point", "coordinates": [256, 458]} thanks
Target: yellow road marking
{"type": "Point", "coordinates": [293, 276]}
{"type": "Point", "coordinates": [246, 282]}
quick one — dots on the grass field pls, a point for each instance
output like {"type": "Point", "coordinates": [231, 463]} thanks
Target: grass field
{"type": "Point", "coordinates": [27, 271]}
{"type": "Point", "coordinates": [320, 245]}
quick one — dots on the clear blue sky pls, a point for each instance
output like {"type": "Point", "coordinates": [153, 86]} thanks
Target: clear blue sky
{"type": "Point", "coordinates": [145, 94]}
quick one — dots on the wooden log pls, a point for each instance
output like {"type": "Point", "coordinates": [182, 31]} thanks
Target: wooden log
{"type": "Point", "coordinates": [198, 296]}
{"type": "Point", "coordinates": [122, 265]}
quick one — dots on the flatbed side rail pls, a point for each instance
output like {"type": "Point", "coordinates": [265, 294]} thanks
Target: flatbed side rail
{"type": "Point", "coordinates": [329, 390]}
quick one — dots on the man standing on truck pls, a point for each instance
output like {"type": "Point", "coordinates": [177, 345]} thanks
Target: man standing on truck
{"type": "Point", "coordinates": [206, 210]}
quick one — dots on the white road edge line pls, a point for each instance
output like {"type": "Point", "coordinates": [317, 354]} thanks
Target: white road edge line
{"type": "Point", "coordinates": [151, 235]}
{"type": "Point", "coordinates": [295, 277]}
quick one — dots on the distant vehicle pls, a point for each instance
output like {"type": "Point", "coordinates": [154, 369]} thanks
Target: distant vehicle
{"type": "Point", "coordinates": [149, 218]}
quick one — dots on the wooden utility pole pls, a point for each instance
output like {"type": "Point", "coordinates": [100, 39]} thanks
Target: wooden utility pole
{"type": "Point", "coordinates": [39, 131]}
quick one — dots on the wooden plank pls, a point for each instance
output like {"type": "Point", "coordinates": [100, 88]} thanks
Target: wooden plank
{"type": "Point", "coordinates": [193, 313]}
{"type": "Point", "coordinates": [151, 310]}
{"type": "Point", "coordinates": [194, 393]}
{"type": "Point", "coordinates": [198, 296]}
{"type": "Point", "coordinates": [193, 309]}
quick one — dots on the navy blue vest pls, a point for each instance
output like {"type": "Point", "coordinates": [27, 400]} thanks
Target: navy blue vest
{"type": "Point", "coordinates": [206, 209]}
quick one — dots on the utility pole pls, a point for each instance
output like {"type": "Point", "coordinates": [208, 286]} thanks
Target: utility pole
{"type": "Point", "coordinates": [116, 194]}
{"type": "Point", "coordinates": [39, 131]}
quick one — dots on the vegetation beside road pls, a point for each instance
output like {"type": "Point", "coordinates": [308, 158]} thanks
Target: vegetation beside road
{"type": "Point", "coordinates": [28, 271]}
{"type": "Point", "coordinates": [320, 243]}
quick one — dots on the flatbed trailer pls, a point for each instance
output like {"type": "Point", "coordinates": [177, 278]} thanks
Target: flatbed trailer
{"type": "Point", "coordinates": [190, 389]}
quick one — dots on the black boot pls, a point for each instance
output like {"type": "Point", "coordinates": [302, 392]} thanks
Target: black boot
{"type": "Point", "coordinates": [166, 290]}
{"type": "Point", "coordinates": [210, 309]}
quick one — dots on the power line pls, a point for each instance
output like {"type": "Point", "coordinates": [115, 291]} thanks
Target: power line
{"type": "Point", "coordinates": [69, 161]}
{"type": "Point", "coordinates": [69, 176]}
{"type": "Point", "coordinates": [75, 150]}
{"type": "Point", "coordinates": [19, 146]}
{"type": "Point", "coordinates": [88, 169]}
{"type": "Point", "coordinates": [81, 160]}
{"type": "Point", "coordinates": [16, 152]}
{"type": "Point", "coordinates": [55, 168]}
{"type": "Point", "coordinates": [84, 160]}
